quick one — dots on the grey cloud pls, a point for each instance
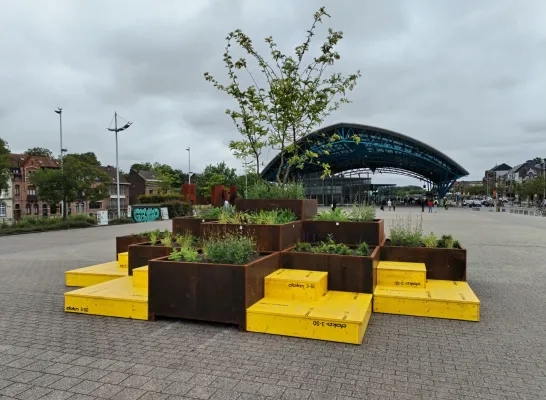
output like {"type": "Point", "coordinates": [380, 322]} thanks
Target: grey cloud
{"type": "Point", "coordinates": [466, 77]}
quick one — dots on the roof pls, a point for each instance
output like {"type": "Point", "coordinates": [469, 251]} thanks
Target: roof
{"type": "Point", "coordinates": [148, 175]}
{"type": "Point", "coordinates": [111, 171]}
{"type": "Point", "coordinates": [16, 160]}
{"type": "Point", "coordinates": [377, 149]}
{"type": "Point", "coordinates": [502, 167]}
{"type": "Point", "coordinates": [43, 162]}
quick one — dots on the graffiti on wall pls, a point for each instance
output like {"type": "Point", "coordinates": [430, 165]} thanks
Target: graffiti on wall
{"type": "Point", "coordinates": [145, 213]}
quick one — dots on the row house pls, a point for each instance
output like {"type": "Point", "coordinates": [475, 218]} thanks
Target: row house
{"type": "Point", "coordinates": [528, 170]}
{"type": "Point", "coordinates": [143, 182]}
{"type": "Point", "coordinates": [21, 198]}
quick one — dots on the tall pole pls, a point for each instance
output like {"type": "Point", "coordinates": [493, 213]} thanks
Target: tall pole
{"type": "Point", "coordinates": [117, 162]}
{"type": "Point", "coordinates": [189, 165]}
{"type": "Point", "coordinates": [116, 130]}
{"type": "Point", "coordinates": [59, 111]}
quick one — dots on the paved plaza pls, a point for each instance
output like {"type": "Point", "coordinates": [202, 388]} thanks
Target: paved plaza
{"type": "Point", "coordinates": [48, 354]}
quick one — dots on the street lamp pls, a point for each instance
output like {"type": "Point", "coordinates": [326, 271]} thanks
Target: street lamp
{"type": "Point", "coordinates": [116, 130]}
{"type": "Point", "coordinates": [59, 111]}
{"type": "Point", "coordinates": [189, 165]}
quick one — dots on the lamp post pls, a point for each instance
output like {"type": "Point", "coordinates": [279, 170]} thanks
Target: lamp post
{"type": "Point", "coordinates": [116, 130]}
{"type": "Point", "coordinates": [59, 111]}
{"type": "Point", "coordinates": [189, 165]}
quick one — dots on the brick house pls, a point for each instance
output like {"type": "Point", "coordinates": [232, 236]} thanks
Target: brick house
{"type": "Point", "coordinates": [110, 203]}
{"type": "Point", "coordinates": [142, 182]}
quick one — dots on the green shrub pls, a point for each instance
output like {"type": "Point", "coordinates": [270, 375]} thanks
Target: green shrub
{"type": "Point", "coordinates": [211, 212]}
{"type": "Point", "coordinates": [330, 247]}
{"type": "Point", "coordinates": [230, 249]}
{"type": "Point", "coordinates": [404, 233]}
{"type": "Point", "coordinates": [266, 190]}
{"type": "Point", "coordinates": [430, 240]}
{"type": "Point", "coordinates": [30, 224]}
{"type": "Point", "coordinates": [337, 215]}
{"type": "Point", "coordinates": [177, 208]}
{"type": "Point", "coordinates": [446, 242]}
{"type": "Point", "coordinates": [160, 198]}
{"type": "Point", "coordinates": [188, 254]}
{"type": "Point", "coordinates": [263, 217]}
{"type": "Point", "coordinates": [363, 249]}
{"type": "Point", "coordinates": [357, 213]}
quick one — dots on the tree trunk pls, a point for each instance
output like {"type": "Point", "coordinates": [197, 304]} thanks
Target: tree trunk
{"type": "Point", "coordinates": [64, 208]}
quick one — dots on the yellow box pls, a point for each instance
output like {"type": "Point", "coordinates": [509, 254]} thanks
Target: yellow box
{"type": "Point", "coordinates": [115, 298]}
{"type": "Point", "coordinates": [337, 317]}
{"type": "Point", "coordinates": [402, 274]}
{"type": "Point", "coordinates": [296, 284]}
{"type": "Point", "coordinates": [123, 260]}
{"type": "Point", "coordinates": [93, 275]}
{"type": "Point", "coordinates": [440, 299]}
{"type": "Point", "coordinates": [140, 277]}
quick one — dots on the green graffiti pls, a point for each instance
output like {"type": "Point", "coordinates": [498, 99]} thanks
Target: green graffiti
{"type": "Point", "coordinates": [146, 214]}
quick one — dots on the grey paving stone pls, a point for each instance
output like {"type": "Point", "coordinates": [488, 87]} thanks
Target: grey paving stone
{"type": "Point", "coordinates": [34, 393]}
{"type": "Point", "coordinates": [201, 392]}
{"type": "Point", "coordinates": [129, 394]}
{"type": "Point", "coordinates": [85, 387]}
{"type": "Point", "coordinates": [501, 357]}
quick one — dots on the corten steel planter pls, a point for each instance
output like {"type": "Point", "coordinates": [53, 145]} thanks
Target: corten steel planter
{"type": "Point", "coordinates": [304, 209]}
{"type": "Point", "coordinates": [123, 242]}
{"type": "Point", "coordinates": [347, 232]}
{"type": "Point", "coordinates": [345, 273]}
{"type": "Point", "coordinates": [140, 254]}
{"type": "Point", "coordinates": [206, 291]}
{"type": "Point", "coordinates": [443, 264]}
{"type": "Point", "coordinates": [189, 224]}
{"type": "Point", "coordinates": [268, 237]}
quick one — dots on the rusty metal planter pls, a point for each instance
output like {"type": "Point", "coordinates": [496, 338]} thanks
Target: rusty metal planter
{"type": "Point", "coordinates": [189, 224]}
{"type": "Point", "coordinates": [345, 273]}
{"type": "Point", "coordinates": [304, 209]}
{"type": "Point", "coordinates": [123, 242]}
{"type": "Point", "coordinates": [347, 232]}
{"type": "Point", "coordinates": [268, 237]}
{"type": "Point", "coordinates": [206, 291]}
{"type": "Point", "coordinates": [140, 254]}
{"type": "Point", "coordinates": [444, 264]}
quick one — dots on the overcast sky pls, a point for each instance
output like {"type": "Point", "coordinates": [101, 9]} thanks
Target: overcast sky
{"type": "Point", "coordinates": [467, 77]}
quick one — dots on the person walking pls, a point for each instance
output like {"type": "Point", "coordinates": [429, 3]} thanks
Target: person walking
{"type": "Point", "coordinates": [436, 205]}
{"type": "Point", "coordinates": [389, 204]}
{"type": "Point", "coordinates": [430, 204]}
{"type": "Point", "coordinates": [422, 205]}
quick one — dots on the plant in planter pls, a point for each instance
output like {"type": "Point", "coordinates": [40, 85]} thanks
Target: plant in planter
{"type": "Point", "coordinates": [444, 257]}
{"type": "Point", "coordinates": [216, 284]}
{"type": "Point", "coordinates": [273, 230]}
{"type": "Point", "coordinates": [192, 224]}
{"type": "Point", "coordinates": [160, 244]}
{"type": "Point", "coordinates": [350, 268]}
{"type": "Point", "coordinates": [351, 226]}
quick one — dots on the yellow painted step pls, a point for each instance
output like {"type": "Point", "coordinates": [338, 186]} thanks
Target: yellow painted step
{"type": "Point", "coordinates": [115, 298]}
{"type": "Point", "coordinates": [123, 260]}
{"type": "Point", "coordinates": [440, 299]}
{"type": "Point", "coordinates": [95, 274]}
{"type": "Point", "coordinates": [336, 317]}
{"type": "Point", "coordinates": [296, 284]}
{"type": "Point", "coordinates": [401, 274]}
{"type": "Point", "coordinates": [140, 277]}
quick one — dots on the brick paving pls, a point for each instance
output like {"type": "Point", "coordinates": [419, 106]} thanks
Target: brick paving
{"type": "Point", "coordinates": [48, 354]}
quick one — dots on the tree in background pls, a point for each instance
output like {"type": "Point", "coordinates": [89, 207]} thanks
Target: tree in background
{"type": "Point", "coordinates": [296, 99]}
{"type": "Point", "coordinates": [39, 152]}
{"type": "Point", "coordinates": [213, 175]}
{"type": "Point", "coordinates": [81, 179]}
{"type": "Point", "coordinates": [4, 164]}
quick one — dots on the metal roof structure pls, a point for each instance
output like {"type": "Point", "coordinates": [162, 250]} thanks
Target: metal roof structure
{"type": "Point", "coordinates": [378, 150]}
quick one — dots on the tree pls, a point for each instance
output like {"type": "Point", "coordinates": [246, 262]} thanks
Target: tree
{"type": "Point", "coordinates": [171, 179]}
{"type": "Point", "coordinates": [79, 180]}
{"type": "Point", "coordinates": [295, 101]}
{"type": "Point", "coordinates": [4, 164]}
{"type": "Point", "coordinates": [213, 175]}
{"type": "Point", "coordinates": [39, 152]}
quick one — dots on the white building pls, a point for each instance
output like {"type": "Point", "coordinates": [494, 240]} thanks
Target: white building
{"type": "Point", "coordinates": [6, 204]}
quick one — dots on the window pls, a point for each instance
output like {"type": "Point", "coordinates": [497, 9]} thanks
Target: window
{"type": "Point", "coordinates": [28, 209]}
{"type": "Point", "coordinates": [77, 205]}
{"type": "Point", "coordinates": [3, 211]}
{"type": "Point", "coordinates": [82, 207]}
{"type": "Point", "coordinates": [31, 191]}
{"type": "Point", "coordinates": [53, 208]}
{"type": "Point", "coordinates": [44, 210]}
{"type": "Point", "coordinates": [95, 205]}
{"type": "Point", "coordinates": [36, 209]}
{"type": "Point", "coordinates": [17, 190]}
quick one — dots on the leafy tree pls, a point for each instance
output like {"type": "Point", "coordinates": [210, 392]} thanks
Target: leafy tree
{"type": "Point", "coordinates": [219, 174]}
{"type": "Point", "coordinates": [171, 179]}
{"type": "Point", "coordinates": [147, 166]}
{"type": "Point", "coordinates": [79, 180]}
{"type": "Point", "coordinates": [4, 164]}
{"type": "Point", "coordinates": [39, 152]}
{"type": "Point", "coordinates": [533, 186]}
{"type": "Point", "coordinates": [295, 101]}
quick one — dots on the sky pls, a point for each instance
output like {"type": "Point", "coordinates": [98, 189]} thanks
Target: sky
{"type": "Point", "coordinates": [466, 77]}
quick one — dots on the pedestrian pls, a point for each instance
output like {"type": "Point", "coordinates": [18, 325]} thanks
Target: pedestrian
{"type": "Point", "coordinates": [436, 205]}
{"type": "Point", "coordinates": [334, 205]}
{"type": "Point", "coordinates": [430, 204]}
{"type": "Point", "coordinates": [422, 205]}
{"type": "Point", "coordinates": [389, 204]}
